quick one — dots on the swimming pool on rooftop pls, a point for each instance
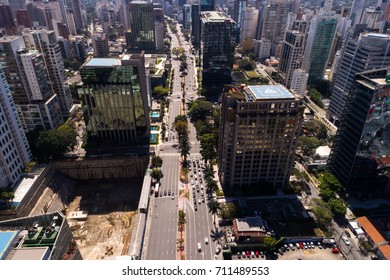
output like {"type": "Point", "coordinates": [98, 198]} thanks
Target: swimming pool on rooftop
{"type": "Point", "coordinates": [155, 114]}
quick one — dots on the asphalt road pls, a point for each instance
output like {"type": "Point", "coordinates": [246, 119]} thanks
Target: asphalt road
{"type": "Point", "coordinates": [161, 234]}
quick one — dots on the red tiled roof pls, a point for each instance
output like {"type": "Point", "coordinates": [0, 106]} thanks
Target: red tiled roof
{"type": "Point", "coordinates": [385, 251]}
{"type": "Point", "coordinates": [370, 229]}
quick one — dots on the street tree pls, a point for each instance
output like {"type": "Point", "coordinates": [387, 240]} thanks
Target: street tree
{"type": "Point", "coordinates": [181, 128]}
{"type": "Point", "coordinates": [322, 212]}
{"type": "Point", "coordinates": [328, 180]}
{"type": "Point", "coordinates": [157, 161]}
{"type": "Point", "coordinates": [337, 206]}
{"type": "Point", "coordinates": [200, 110]}
{"type": "Point", "coordinates": [270, 243]}
{"type": "Point", "coordinates": [184, 146]}
{"type": "Point", "coordinates": [207, 145]}
{"type": "Point", "coordinates": [326, 193]}
{"type": "Point", "coordinates": [211, 186]}
{"type": "Point", "coordinates": [156, 174]}
{"type": "Point", "coordinates": [217, 235]}
{"type": "Point", "coordinates": [214, 208]}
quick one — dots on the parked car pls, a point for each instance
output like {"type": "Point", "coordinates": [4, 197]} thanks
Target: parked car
{"type": "Point", "coordinates": [243, 254]}
{"type": "Point", "coordinates": [301, 245]}
{"type": "Point", "coordinates": [292, 247]}
{"type": "Point", "coordinates": [206, 240]}
{"type": "Point", "coordinates": [253, 255]}
{"type": "Point", "coordinates": [257, 254]}
{"type": "Point", "coordinates": [319, 245]}
{"type": "Point", "coordinates": [248, 254]}
{"type": "Point", "coordinates": [239, 255]}
{"type": "Point", "coordinates": [298, 245]}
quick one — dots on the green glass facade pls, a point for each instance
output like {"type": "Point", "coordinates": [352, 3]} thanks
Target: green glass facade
{"type": "Point", "coordinates": [116, 100]}
{"type": "Point", "coordinates": [322, 45]}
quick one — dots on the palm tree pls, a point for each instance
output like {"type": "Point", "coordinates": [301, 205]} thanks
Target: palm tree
{"type": "Point", "coordinates": [211, 186]}
{"type": "Point", "coordinates": [214, 208]}
{"type": "Point", "coordinates": [217, 235]}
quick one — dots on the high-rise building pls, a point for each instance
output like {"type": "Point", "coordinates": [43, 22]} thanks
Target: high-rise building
{"type": "Point", "coordinates": [360, 156]}
{"type": "Point", "coordinates": [158, 15]}
{"type": "Point", "coordinates": [299, 81]}
{"type": "Point", "coordinates": [23, 19]}
{"type": "Point", "coordinates": [263, 48]}
{"type": "Point", "coordinates": [367, 51]}
{"type": "Point", "coordinates": [6, 18]}
{"type": "Point", "coordinates": [187, 16]}
{"type": "Point", "coordinates": [15, 151]}
{"type": "Point", "coordinates": [64, 47]}
{"type": "Point", "coordinates": [17, 5]}
{"type": "Point", "coordinates": [38, 106]}
{"type": "Point", "coordinates": [207, 5]}
{"type": "Point", "coordinates": [248, 23]}
{"type": "Point", "coordinates": [195, 25]}
{"type": "Point", "coordinates": [115, 93]}
{"type": "Point", "coordinates": [79, 47]}
{"type": "Point", "coordinates": [141, 35]}
{"type": "Point", "coordinates": [275, 22]}
{"type": "Point", "coordinates": [258, 137]}
{"type": "Point", "coordinates": [218, 42]}
{"type": "Point", "coordinates": [291, 55]}
{"type": "Point", "coordinates": [100, 46]}
{"type": "Point", "coordinates": [357, 10]}
{"type": "Point", "coordinates": [319, 43]}
{"type": "Point", "coordinates": [46, 43]}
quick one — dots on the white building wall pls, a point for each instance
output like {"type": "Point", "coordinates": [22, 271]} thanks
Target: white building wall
{"type": "Point", "coordinates": [299, 82]}
{"type": "Point", "coordinates": [249, 23]}
{"type": "Point", "coordinates": [15, 153]}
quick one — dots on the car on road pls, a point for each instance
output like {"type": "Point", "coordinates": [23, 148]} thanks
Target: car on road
{"type": "Point", "coordinates": [239, 255]}
{"type": "Point", "coordinates": [200, 202]}
{"type": "Point", "coordinates": [335, 250]}
{"type": "Point", "coordinates": [202, 199]}
{"type": "Point", "coordinates": [257, 254]}
{"type": "Point", "coordinates": [165, 192]}
{"type": "Point", "coordinates": [243, 254]}
{"type": "Point", "coordinates": [346, 241]}
{"type": "Point", "coordinates": [199, 247]}
{"type": "Point", "coordinates": [169, 192]}
{"type": "Point", "coordinates": [206, 240]}
{"type": "Point", "coordinates": [161, 194]}
{"type": "Point", "coordinates": [173, 197]}
{"type": "Point", "coordinates": [248, 254]}
{"type": "Point", "coordinates": [196, 208]}
{"type": "Point", "coordinates": [253, 255]}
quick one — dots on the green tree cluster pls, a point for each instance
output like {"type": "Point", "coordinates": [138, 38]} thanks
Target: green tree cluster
{"type": "Point", "coordinates": [308, 145]}
{"type": "Point", "coordinates": [160, 92]}
{"type": "Point", "coordinates": [316, 97]}
{"type": "Point", "coordinates": [53, 143]}
{"type": "Point", "coordinates": [181, 127]}
{"type": "Point", "coordinates": [207, 145]}
{"type": "Point", "coordinates": [156, 174]}
{"type": "Point", "coordinates": [157, 162]}
{"type": "Point", "coordinates": [246, 64]}
{"type": "Point", "coordinates": [329, 187]}
{"type": "Point", "coordinates": [200, 110]}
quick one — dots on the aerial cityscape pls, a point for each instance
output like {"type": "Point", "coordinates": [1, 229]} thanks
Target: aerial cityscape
{"type": "Point", "coordinates": [195, 130]}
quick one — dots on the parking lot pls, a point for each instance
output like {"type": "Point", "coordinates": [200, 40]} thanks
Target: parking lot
{"type": "Point", "coordinates": [310, 254]}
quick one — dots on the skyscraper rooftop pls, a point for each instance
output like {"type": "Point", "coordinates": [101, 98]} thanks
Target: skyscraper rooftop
{"type": "Point", "coordinates": [270, 92]}
{"type": "Point", "coordinates": [214, 16]}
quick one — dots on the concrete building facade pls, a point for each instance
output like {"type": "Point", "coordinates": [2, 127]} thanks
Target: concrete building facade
{"type": "Point", "coordinates": [258, 137]}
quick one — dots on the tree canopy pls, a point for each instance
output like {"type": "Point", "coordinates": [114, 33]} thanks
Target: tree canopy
{"type": "Point", "coordinates": [207, 145]}
{"type": "Point", "coordinates": [328, 180]}
{"type": "Point", "coordinates": [308, 145]}
{"type": "Point", "coordinates": [52, 144]}
{"type": "Point", "coordinates": [157, 161]}
{"type": "Point", "coordinates": [199, 110]}
{"type": "Point", "coordinates": [270, 243]}
{"type": "Point", "coordinates": [337, 206]}
{"type": "Point", "coordinates": [156, 174]}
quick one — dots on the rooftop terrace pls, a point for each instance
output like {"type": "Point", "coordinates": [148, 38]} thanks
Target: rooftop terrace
{"type": "Point", "coordinates": [266, 92]}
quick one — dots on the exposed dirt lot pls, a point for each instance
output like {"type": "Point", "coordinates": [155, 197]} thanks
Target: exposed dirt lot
{"type": "Point", "coordinates": [110, 204]}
